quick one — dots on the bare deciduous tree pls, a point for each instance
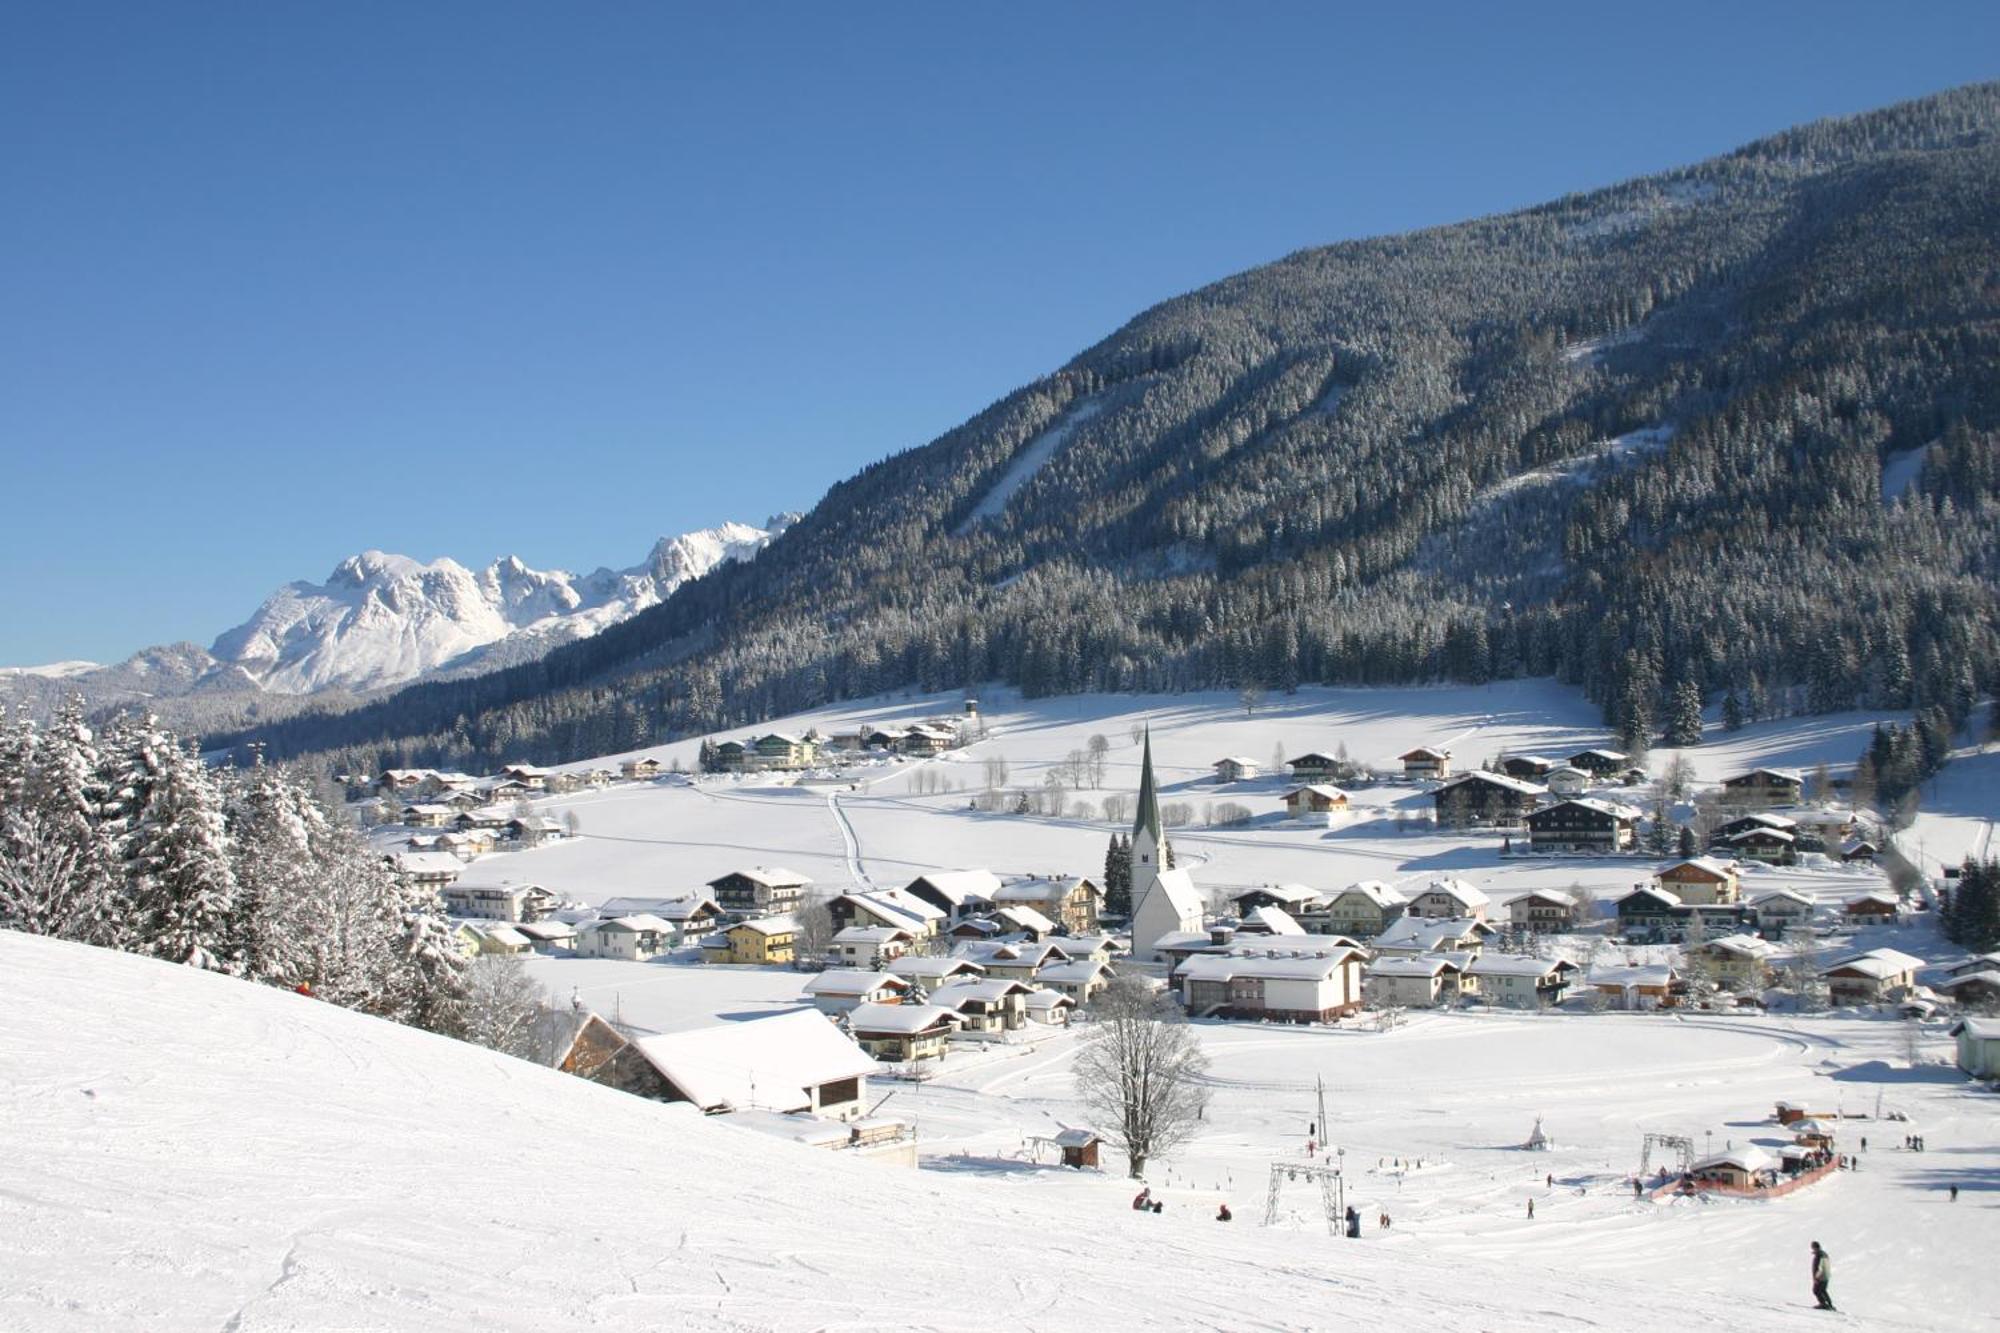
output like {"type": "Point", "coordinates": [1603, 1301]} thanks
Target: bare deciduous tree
{"type": "Point", "coordinates": [996, 771]}
{"type": "Point", "coordinates": [1139, 1072]}
{"type": "Point", "coordinates": [813, 940]}
{"type": "Point", "coordinates": [1098, 746]}
{"type": "Point", "coordinates": [1117, 807]}
{"type": "Point", "coordinates": [503, 1006]}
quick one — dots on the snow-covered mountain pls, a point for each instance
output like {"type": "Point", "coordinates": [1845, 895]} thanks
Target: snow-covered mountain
{"type": "Point", "coordinates": [380, 620]}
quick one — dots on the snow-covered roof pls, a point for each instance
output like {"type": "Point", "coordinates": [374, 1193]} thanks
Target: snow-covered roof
{"type": "Point", "coordinates": [1076, 1138]}
{"type": "Point", "coordinates": [870, 935]}
{"type": "Point", "coordinates": [1596, 804]}
{"type": "Point", "coordinates": [1785, 775]}
{"type": "Point", "coordinates": [1980, 1029]}
{"type": "Point", "coordinates": [1470, 895]}
{"type": "Point", "coordinates": [1784, 895]}
{"type": "Point", "coordinates": [1878, 963]}
{"type": "Point", "coordinates": [1382, 895]}
{"type": "Point", "coordinates": [1645, 974]}
{"type": "Point", "coordinates": [957, 887]}
{"type": "Point", "coordinates": [1513, 965]}
{"type": "Point", "coordinates": [1425, 933]}
{"type": "Point", "coordinates": [1610, 756]}
{"type": "Point", "coordinates": [1042, 999]}
{"type": "Point", "coordinates": [428, 863]}
{"type": "Point", "coordinates": [1294, 894]}
{"type": "Point", "coordinates": [1025, 918]}
{"type": "Point", "coordinates": [1241, 761]}
{"type": "Point", "coordinates": [1984, 977]}
{"type": "Point", "coordinates": [1077, 971]}
{"type": "Point", "coordinates": [1290, 964]}
{"type": "Point", "coordinates": [1274, 919]}
{"type": "Point", "coordinates": [771, 877]}
{"type": "Point", "coordinates": [1423, 965]}
{"type": "Point", "coordinates": [899, 1019]}
{"type": "Point", "coordinates": [989, 990]}
{"type": "Point", "coordinates": [761, 1062]}
{"type": "Point", "coordinates": [1039, 889]}
{"type": "Point", "coordinates": [1561, 896]}
{"type": "Point", "coordinates": [548, 932]}
{"type": "Point", "coordinates": [1667, 896]}
{"type": "Point", "coordinates": [1479, 776]}
{"type": "Point", "coordinates": [1750, 1158]}
{"type": "Point", "coordinates": [632, 924]}
{"type": "Point", "coordinates": [1875, 897]}
{"type": "Point", "coordinates": [930, 970]}
{"type": "Point", "coordinates": [768, 925]}
{"type": "Point", "coordinates": [1179, 887]}
{"type": "Point", "coordinates": [853, 981]}
{"type": "Point", "coordinates": [668, 909]}
{"type": "Point", "coordinates": [1424, 752]}
{"type": "Point", "coordinates": [1748, 946]}
{"type": "Point", "coordinates": [1708, 865]}
{"type": "Point", "coordinates": [1319, 789]}
{"type": "Point", "coordinates": [438, 810]}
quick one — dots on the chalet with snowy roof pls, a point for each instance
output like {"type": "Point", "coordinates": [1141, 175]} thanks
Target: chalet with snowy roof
{"type": "Point", "coordinates": [956, 893]}
{"type": "Point", "coordinates": [1268, 920]}
{"type": "Point", "coordinates": [1050, 1007]}
{"type": "Point", "coordinates": [1081, 979]}
{"type": "Point", "coordinates": [548, 937]}
{"type": "Point", "coordinates": [1765, 786]}
{"type": "Point", "coordinates": [481, 821]}
{"type": "Point", "coordinates": [1521, 983]}
{"type": "Point", "coordinates": [1566, 781]}
{"type": "Point", "coordinates": [1876, 907]}
{"type": "Point", "coordinates": [1413, 981]}
{"type": "Point", "coordinates": [1769, 845]}
{"type": "Point", "coordinates": [1312, 766]}
{"type": "Point", "coordinates": [1648, 913]}
{"type": "Point", "coordinates": [1070, 900]}
{"type": "Point", "coordinates": [491, 937]}
{"type": "Point", "coordinates": [760, 892]}
{"type": "Point", "coordinates": [1531, 767]}
{"type": "Point", "coordinates": [1485, 800]}
{"type": "Point", "coordinates": [1413, 935]}
{"type": "Point", "coordinates": [1315, 798]}
{"type": "Point", "coordinates": [1013, 960]}
{"type": "Point", "coordinates": [1601, 763]}
{"type": "Point", "coordinates": [1425, 763]}
{"type": "Point", "coordinates": [1746, 1168]}
{"type": "Point", "coordinates": [781, 751]}
{"type": "Point", "coordinates": [1875, 977]}
{"type": "Point", "coordinates": [406, 782]}
{"type": "Point", "coordinates": [896, 908]}
{"type": "Point", "coordinates": [903, 1032]}
{"type": "Point", "coordinates": [869, 946]}
{"type": "Point", "coordinates": [989, 1005]}
{"type": "Point", "coordinates": [1291, 985]}
{"type": "Point", "coordinates": [634, 937]}
{"type": "Point", "coordinates": [1294, 898]}
{"type": "Point", "coordinates": [1445, 898]}
{"type": "Point", "coordinates": [1585, 824]}
{"type": "Point", "coordinates": [795, 1062]}
{"type": "Point", "coordinates": [1544, 910]}
{"type": "Point", "coordinates": [1980, 988]}
{"type": "Point", "coordinates": [1737, 962]}
{"type": "Point", "coordinates": [929, 738]}
{"type": "Point", "coordinates": [463, 800]}
{"type": "Point", "coordinates": [1984, 962]}
{"type": "Point", "coordinates": [838, 990]}
{"type": "Point", "coordinates": [534, 830]}
{"type": "Point", "coordinates": [1647, 986]}
{"type": "Point", "coordinates": [643, 769]}
{"type": "Point", "coordinates": [1097, 948]}
{"type": "Point", "coordinates": [426, 870]}
{"type": "Point", "coordinates": [729, 757]}
{"type": "Point", "coordinates": [1235, 768]}
{"type": "Point", "coordinates": [1700, 879]}
{"type": "Point", "coordinates": [1978, 1046]}
{"type": "Point", "coordinates": [1860, 849]}
{"type": "Point", "coordinates": [499, 902]}
{"type": "Point", "coordinates": [599, 1052]}
{"type": "Point", "coordinates": [427, 816]}
{"type": "Point", "coordinates": [1362, 910]}
{"type": "Point", "coordinates": [509, 790]}
{"type": "Point", "coordinates": [1781, 911]}
{"type": "Point", "coordinates": [975, 928]}
{"type": "Point", "coordinates": [688, 916]}
{"type": "Point", "coordinates": [761, 940]}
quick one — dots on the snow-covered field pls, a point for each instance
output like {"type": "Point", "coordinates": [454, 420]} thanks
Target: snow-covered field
{"type": "Point", "coordinates": [192, 1152]}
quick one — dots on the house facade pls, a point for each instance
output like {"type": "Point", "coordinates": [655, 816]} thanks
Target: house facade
{"type": "Point", "coordinates": [1583, 824]}
{"type": "Point", "coordinates": [1765, 786]}
{"type": "Point", "coordinates": [1521, 983]}
{"type": "Point", "coordinates": [1073, 902]}
{"type": "Point", "coordinates": [1414, 982]}
{"type": "Point", "coordinates": [838, 990]}
{"type": "Point", "coordinates": [869, 946]}
{"type": "Point", "coordinates": [1701, 879]}
{"type": "Point", "coordinates": [1235, 768]}
{"type": "Point", "coordinates": [633, 938]}
{"type": "Point", "coordinates": [769, 939]}
{"type": "Point", "coordinates": [1543, 911]}
{"type": "Point", "coordinates": [1277, 985]}
{"type": "Point", "coordinates": [1425, 764]}
{"type": "Point", "coordinates": [1363, 910]}
{"type": "Point", "coordinates": [1445, 898]}
{"type": "Point", "coordinates": [1314, 798]}
{"type": "Point", "coordinates": [902, 1032]}
{"type": "Point", "coordinates": [760, 892]}
{"type": "Point", "coordinates": [1871, 978]}
{"type": "Point", "coordinates": [1485, 800]}
{"type": "Point", "coordinates": [1601, 763]}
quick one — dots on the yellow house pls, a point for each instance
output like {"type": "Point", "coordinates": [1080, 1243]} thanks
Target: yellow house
{"type": "Point", "coordinates": [766, 940]}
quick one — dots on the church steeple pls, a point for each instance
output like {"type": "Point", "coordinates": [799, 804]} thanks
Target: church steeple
{"type": "Point", "coordinates": [1148, 820]}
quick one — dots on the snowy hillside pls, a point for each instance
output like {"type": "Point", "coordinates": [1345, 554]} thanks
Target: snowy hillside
{"type": "Point", "coordinates": [210, 1154]}
{"type": "Point", "coordinates": [381, 619]}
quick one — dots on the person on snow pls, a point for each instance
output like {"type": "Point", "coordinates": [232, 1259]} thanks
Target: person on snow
{"type": "Point", "coordinates": [1223, 1214]}
{"type": "Point", "coordinates": [1143, 1200]}
{"type": "Point", "coordinates": [1531, 1210]}
{"type": "Point", "coordinates": [1822, 1274]}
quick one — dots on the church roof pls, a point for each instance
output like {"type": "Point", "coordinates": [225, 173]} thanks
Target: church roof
{"type": "Point", "coordinates": [1148, 820]}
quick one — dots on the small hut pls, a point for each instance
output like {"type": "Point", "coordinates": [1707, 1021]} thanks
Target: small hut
{"type": "Point", "coordinates": [1079, 1148]}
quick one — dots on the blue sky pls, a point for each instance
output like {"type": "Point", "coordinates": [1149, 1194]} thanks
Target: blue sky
{"type": "Point", "coordinates": [286, 281]}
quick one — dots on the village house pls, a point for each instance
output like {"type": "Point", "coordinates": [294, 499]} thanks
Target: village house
{"type": "Point", "coordinates": [489, 822]}
{"type": "Point", "coordinates": [1769, 845]}
{"type": "Point", "coordinates": [1444, 898]}
{"type": "Point", "coordinates": [1414, 935]}
{"type": "Point", "coordinates": [534, 830]}
{"type": "Point", "coordinates": [1978, 1046]}
{"type": "Point", "coordinates": [1362, 910]}
{"type": "Point", "coordinates": [643, 769]}
{"type": "Point", "coordinates": [689, 916]}
{"type": "Point", "coordinates": [634, 937]}
{"type": "Point", "coordinates": [760, 892]}
{"type": "Point", "coordinates": [1700, 879]}
{"type": "Point", "coordinates": [869, 946]}
{"type": "Point", "coordinates": [528, 775]}
{"type": "Point", "coordinates": [1740, 963]}
{"type": "Point", "coordinates": [931, 973]}
{"type": "Point", "coordinates": [548, 937]}
{"type": "Point", "coordinates": [1295, 898]}
{"type": "Point", "coordinates": [1565, 782]}
{"type": "Point", "coordinates": [1081, 979]}
{"type": "Point", "coordinates": [406, 783]}
{"type": "Point", "coordinates": [796, 1062]}
{"type": "Point", "coordinates": [956, 893]}
{"type": "Point", "coordinates": [1023, 921]}
{"type": "Point", "coordinates": [499, 902]}
{"type": "Point", "coordinates": [1648, 913]}
{"type": "Point", "coordinates": [1013, 960]}
{"type": "Point", "coordinates": [1649, 986]}
{"type": "Point", "coordinates": [1291, 985]}
{"type": "Point", "coordinates": [1765, 786]}
{"type": "Point", "coordinates": [1235, 768]}
{"type": "Point", "coordinates": [487, 937]}
{"type": "Point", "coordinates": [427, 816]}
{"type": "Point", "coordinates": [780, 751]}
{"type": "Point", "coordinates": [896, 908]}
{"type": "Point", "coordinates": [902, 1032]}
{"type": "Point", "coordinates": [763, 940]}
{"type": "Point", "coordinates": [1091, 948]}
{"type": "Point", "coordinates": [1877, 907]}
{"type": "Point", "coordinates": [1781, 911]}
{"type": "Point", "coordinates": [1426, 764]}
{"type": "Point", "coordinates": [1746, 1168]}
{"type": "Point", "coordinates": [1543, 911]}
{"type": "Point", "coordinates": [1073, 902]}
{"type": "Point", "coordinates": [1859, 849]}
{"type": "Point", "coordinates": [1975, 989]}
{"type": "Point", "coordinates": [1485, 800]}
{"type": "Point", "coordinates": [1413, 981]}
{"type": "Point", "coordinates": [1601, 763]}
{"type": "Point", "coordinates": [508, 791]}
{"type": "Point", "coordinates": [1268, 920]}
{"type": "Point", "coordinates": [1313, 767]}
{"type": "Point", "coordinates": [1532, 767]}
{"type": "Point", "coordinates": [1985, 962]}
{"type": "Point", "coordinates": [1874, 977]}
{"type": "Point", "coordinates": [1520, 983]}
{"type": "Point", "coordinates": [928, 738]}
{"type": "Point", "coordinates": [426, 870]}
{"type": "Point", "coordinates": [838, 990]}
{"type": "Point", "coordinates": [1316, 798]}
{"type": "Point", "coordinates": [975, 928]}
{"type": "Point", "coordinates": [987, 1006]}
{"type": "Point", "coordinates": [1585, 824]}
{"type": "Point", "coordinates": [1050, 1007]}
{"type": "Point", "coordinates": [600, 1053]}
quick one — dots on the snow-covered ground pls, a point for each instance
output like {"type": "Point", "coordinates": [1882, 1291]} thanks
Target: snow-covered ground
{"type": "Point", "coordinates": [192, 1152]}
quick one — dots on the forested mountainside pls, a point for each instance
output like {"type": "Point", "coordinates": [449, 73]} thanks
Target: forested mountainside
{"type": "Point", "coordinates": [1636, 438]}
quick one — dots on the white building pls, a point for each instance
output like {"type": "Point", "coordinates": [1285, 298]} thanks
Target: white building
{"type": "Point", "coordinates": [633, 938]}
{"type": "Point", "coordinates": [1164, 902]}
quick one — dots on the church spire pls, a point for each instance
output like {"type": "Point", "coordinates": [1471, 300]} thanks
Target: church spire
{"type": "Point", "coordinates": [1148, 820]}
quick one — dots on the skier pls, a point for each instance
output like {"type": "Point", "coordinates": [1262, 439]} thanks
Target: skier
{"type": "Point", "coordinates": [1353, 1222]}
{"type": "Point", "coordinates": [1822, 1273]}
{"type": "Point", "coordinates": [1531, 1210]}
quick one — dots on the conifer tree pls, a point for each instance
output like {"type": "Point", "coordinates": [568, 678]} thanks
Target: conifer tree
{"type": "Point", "coordinates": [183, 889]}
{"type": "Point", "coordinates": [1684, 715]}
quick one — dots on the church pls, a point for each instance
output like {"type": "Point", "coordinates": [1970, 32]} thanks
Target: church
{"type": "Point", "coordinates": [1164, 902]}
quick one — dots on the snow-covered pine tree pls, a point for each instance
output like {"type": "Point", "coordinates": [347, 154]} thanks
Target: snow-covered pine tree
{"type": "Point", "coordinates": [176, 845]}
{"type": "Point", "coordinates": [1684, 715]}
{"type": "Point", "coordinates": [426, 986]}
{"type": "Point", "coordinates": [275, 827]}
{"type": "Point", "coordinates": [62, 785]}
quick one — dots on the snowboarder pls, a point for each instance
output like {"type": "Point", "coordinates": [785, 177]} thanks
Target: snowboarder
{"type": "Point", "coordinates": [1223, 1214]}
{"type": "Point", "coordinates": [1822, 1274]}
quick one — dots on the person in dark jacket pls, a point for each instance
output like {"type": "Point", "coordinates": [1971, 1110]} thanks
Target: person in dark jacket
{"type": "Point", "coordinates": [1223, 1214]}
{"type": "Point", "coordinates": [1822, 1274]}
